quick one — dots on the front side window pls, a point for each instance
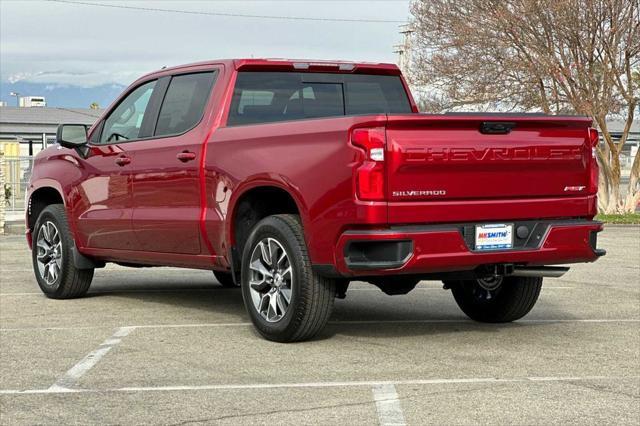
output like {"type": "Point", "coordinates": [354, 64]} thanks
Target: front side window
{"type": "Point", "coordinates": [184, 103]}
{"type": "Point", "coordinates": [125, 120]}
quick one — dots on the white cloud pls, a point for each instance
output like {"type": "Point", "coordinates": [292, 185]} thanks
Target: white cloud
{"type": "Point", "coordinates": [90, 46]}
{"type": "Point", "coordinates": [65, 78]}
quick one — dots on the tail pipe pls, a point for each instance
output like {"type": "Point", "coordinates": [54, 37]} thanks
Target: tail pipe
{"type": "Point", "coordinates": [511, 270]}
{"type": "Point", "coordinates": [539, 271]}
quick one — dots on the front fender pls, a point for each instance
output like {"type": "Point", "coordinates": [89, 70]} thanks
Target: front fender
{"type": "Point", "coordinates": [65, 194]}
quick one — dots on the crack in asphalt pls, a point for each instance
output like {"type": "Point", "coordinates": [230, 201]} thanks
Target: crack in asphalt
{"type": "Point", "coordinates": [602, 389]}
{"type": "Point", "coordinates": [262, 413]}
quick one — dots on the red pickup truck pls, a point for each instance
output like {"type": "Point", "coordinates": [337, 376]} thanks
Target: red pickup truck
{"type": "Point", "coordinates": [290, 179]}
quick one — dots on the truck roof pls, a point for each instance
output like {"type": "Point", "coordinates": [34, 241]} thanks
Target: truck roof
{"type": "Point", "coordinates": [301, 65]}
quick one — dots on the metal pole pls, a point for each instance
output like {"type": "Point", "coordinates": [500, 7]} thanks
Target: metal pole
{"type": "Point", "coordinates": [17, 95]}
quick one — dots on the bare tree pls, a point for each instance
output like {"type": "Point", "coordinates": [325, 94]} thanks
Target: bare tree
{"type": "Point", "coordinates": [555, 56]}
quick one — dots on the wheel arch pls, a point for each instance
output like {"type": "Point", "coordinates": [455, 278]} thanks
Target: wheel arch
{"type": "Point", "coordinates": [254, 201]}
{"type": "Point", "coordinates": [46, 194]}
{"type": "Point", "coordinates": [41, 196]}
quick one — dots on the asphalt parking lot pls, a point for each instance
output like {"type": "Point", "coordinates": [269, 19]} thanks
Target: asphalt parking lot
{"type": "Point", "coordinates": [170, 346]}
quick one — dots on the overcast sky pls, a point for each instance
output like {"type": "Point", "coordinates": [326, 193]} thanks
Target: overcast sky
{"type": "Point", "coordinates": [61, 43]}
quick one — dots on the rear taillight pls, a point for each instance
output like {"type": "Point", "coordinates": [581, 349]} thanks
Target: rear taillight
{"type": "Point", "coordinates": [369, 175]}
{"type": "Point", "coordinates": [594, 140]}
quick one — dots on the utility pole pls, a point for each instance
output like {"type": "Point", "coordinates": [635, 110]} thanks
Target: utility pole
{"type": "Point", "coordinates": [404, 50]}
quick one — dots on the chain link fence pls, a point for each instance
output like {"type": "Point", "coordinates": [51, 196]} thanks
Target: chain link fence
{"type": "Point", "coordinates": [2, 200]}
{"type": "Point", "coordinates": [16, 173]}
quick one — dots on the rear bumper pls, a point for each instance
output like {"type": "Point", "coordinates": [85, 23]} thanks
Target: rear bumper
{"type": "Point", "coordinates": [446, 248]}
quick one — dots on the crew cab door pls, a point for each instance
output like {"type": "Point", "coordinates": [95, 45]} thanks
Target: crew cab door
{"type": "Point", "coordinates": [166, 167]}
{"type": "Point", "coordinates": [105, 210]}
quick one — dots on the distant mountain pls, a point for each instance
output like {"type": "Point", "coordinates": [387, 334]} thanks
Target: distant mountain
{"type": "Point", "coordinates": [62, 95]}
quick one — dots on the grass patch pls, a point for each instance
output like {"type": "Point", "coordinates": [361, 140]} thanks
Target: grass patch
{"type": "Point", "coordinates": [627, 218]}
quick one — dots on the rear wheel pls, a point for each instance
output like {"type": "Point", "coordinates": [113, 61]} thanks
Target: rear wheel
{"type": "Point", "coordinates": [52, 256]}
{"type": "Point", "coordinates": [496, 299]}
{"type": "Point", "coordinates": [285, 299]}
{"type": "Point", "coordinates": [225, 279]}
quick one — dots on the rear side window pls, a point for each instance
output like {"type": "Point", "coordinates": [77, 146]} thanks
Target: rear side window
{"type": "Point", "coordinates": [367, 94]}
{"type": "Point", "coordinates": [184, 103]}
{"type": "Point", "coordinates": [264, 97]}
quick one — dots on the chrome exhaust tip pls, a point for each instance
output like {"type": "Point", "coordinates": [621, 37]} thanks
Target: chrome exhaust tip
{"type": "Point", "coordinates": [539, 271]}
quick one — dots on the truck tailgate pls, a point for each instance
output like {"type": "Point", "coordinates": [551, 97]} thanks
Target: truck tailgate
{"type": "Point", "coordinates": [482, 157]}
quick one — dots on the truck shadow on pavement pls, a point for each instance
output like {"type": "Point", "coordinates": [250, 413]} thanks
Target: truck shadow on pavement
{"type": "Point", "coordinates": [362, 314]}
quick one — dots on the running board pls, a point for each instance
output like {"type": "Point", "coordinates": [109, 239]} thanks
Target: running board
{"type": "Point", "coordinates": [539, 271]}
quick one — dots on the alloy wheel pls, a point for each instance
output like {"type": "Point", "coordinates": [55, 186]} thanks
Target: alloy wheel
{"type": "Point", "coordinates": [270, 279]}
{"type": "Point", "coordinates": [49, 252]}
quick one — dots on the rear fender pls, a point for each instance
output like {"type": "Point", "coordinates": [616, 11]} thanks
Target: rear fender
{"type": "Point", "coordinates": [257, 181]}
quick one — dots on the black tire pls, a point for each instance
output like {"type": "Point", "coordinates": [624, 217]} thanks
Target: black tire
{"type": "Point", "coordinates": [311, 297]}
{"type": "Point", "coordinates": [225, 279]}
{"type": "Point", "coordinates": [70, 282]}
{"type": "Point", "coordinates": [512, 299]}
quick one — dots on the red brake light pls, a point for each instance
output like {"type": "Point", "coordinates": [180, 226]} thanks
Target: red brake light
{"type": "Point", "coordinates": [370, 176]}
{"type": "Point", "coordinates": [594, 140]}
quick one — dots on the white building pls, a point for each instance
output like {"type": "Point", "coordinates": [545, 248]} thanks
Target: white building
{"type": "Point", "coordinates": [34, 128]}
{"type": "Point", "coordinates": [32, 101]}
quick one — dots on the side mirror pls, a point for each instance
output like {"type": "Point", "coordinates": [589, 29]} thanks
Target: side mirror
{"type": "Point", "coordinates": [71, 135]}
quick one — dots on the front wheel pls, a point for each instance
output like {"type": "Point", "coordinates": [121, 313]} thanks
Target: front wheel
{"type": "Point", "coordinates": [52, 256]}
{"type": "Point", "coordinates": [496, 299]}
{"type": "Point", "coordinates": [285, 299]}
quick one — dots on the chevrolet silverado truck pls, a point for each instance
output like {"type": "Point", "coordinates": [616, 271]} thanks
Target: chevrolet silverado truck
{"type": "Point", "coordinates": [289, 179]}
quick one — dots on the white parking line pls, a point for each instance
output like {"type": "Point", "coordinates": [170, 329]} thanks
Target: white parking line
{"type": "Point", "coordinates": [119, 292]}
{"type": "Point", "coordinates": [388, 405]}
{"type": "Point", "coordinates": [347, 322]}
{"type": "Point", "coordinates": [67, 382]}
{"type": "Point", "coordinates": [216, 289]}
{"type": "Point", "coordinates": [97, 327]}
{"type": "Point", "coordinates": [19, 294]}
{"type": "Point", "coordinates": [370, 384]}
{"type": "Point", "coordinates": [468, 321]}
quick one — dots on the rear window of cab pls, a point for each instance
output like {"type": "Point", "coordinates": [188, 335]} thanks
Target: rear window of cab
{"type": "Point", "coordinates": [267, 97]}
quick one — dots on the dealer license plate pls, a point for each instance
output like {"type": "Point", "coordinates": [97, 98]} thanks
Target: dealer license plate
{"type": "Point", "coordinates": [495, 236]}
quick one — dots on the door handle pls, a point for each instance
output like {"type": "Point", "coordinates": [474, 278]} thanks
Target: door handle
{"type": "Point", "coordinates": [123, 161]}
{"type": "Point", "coordinates": [185, 156]}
